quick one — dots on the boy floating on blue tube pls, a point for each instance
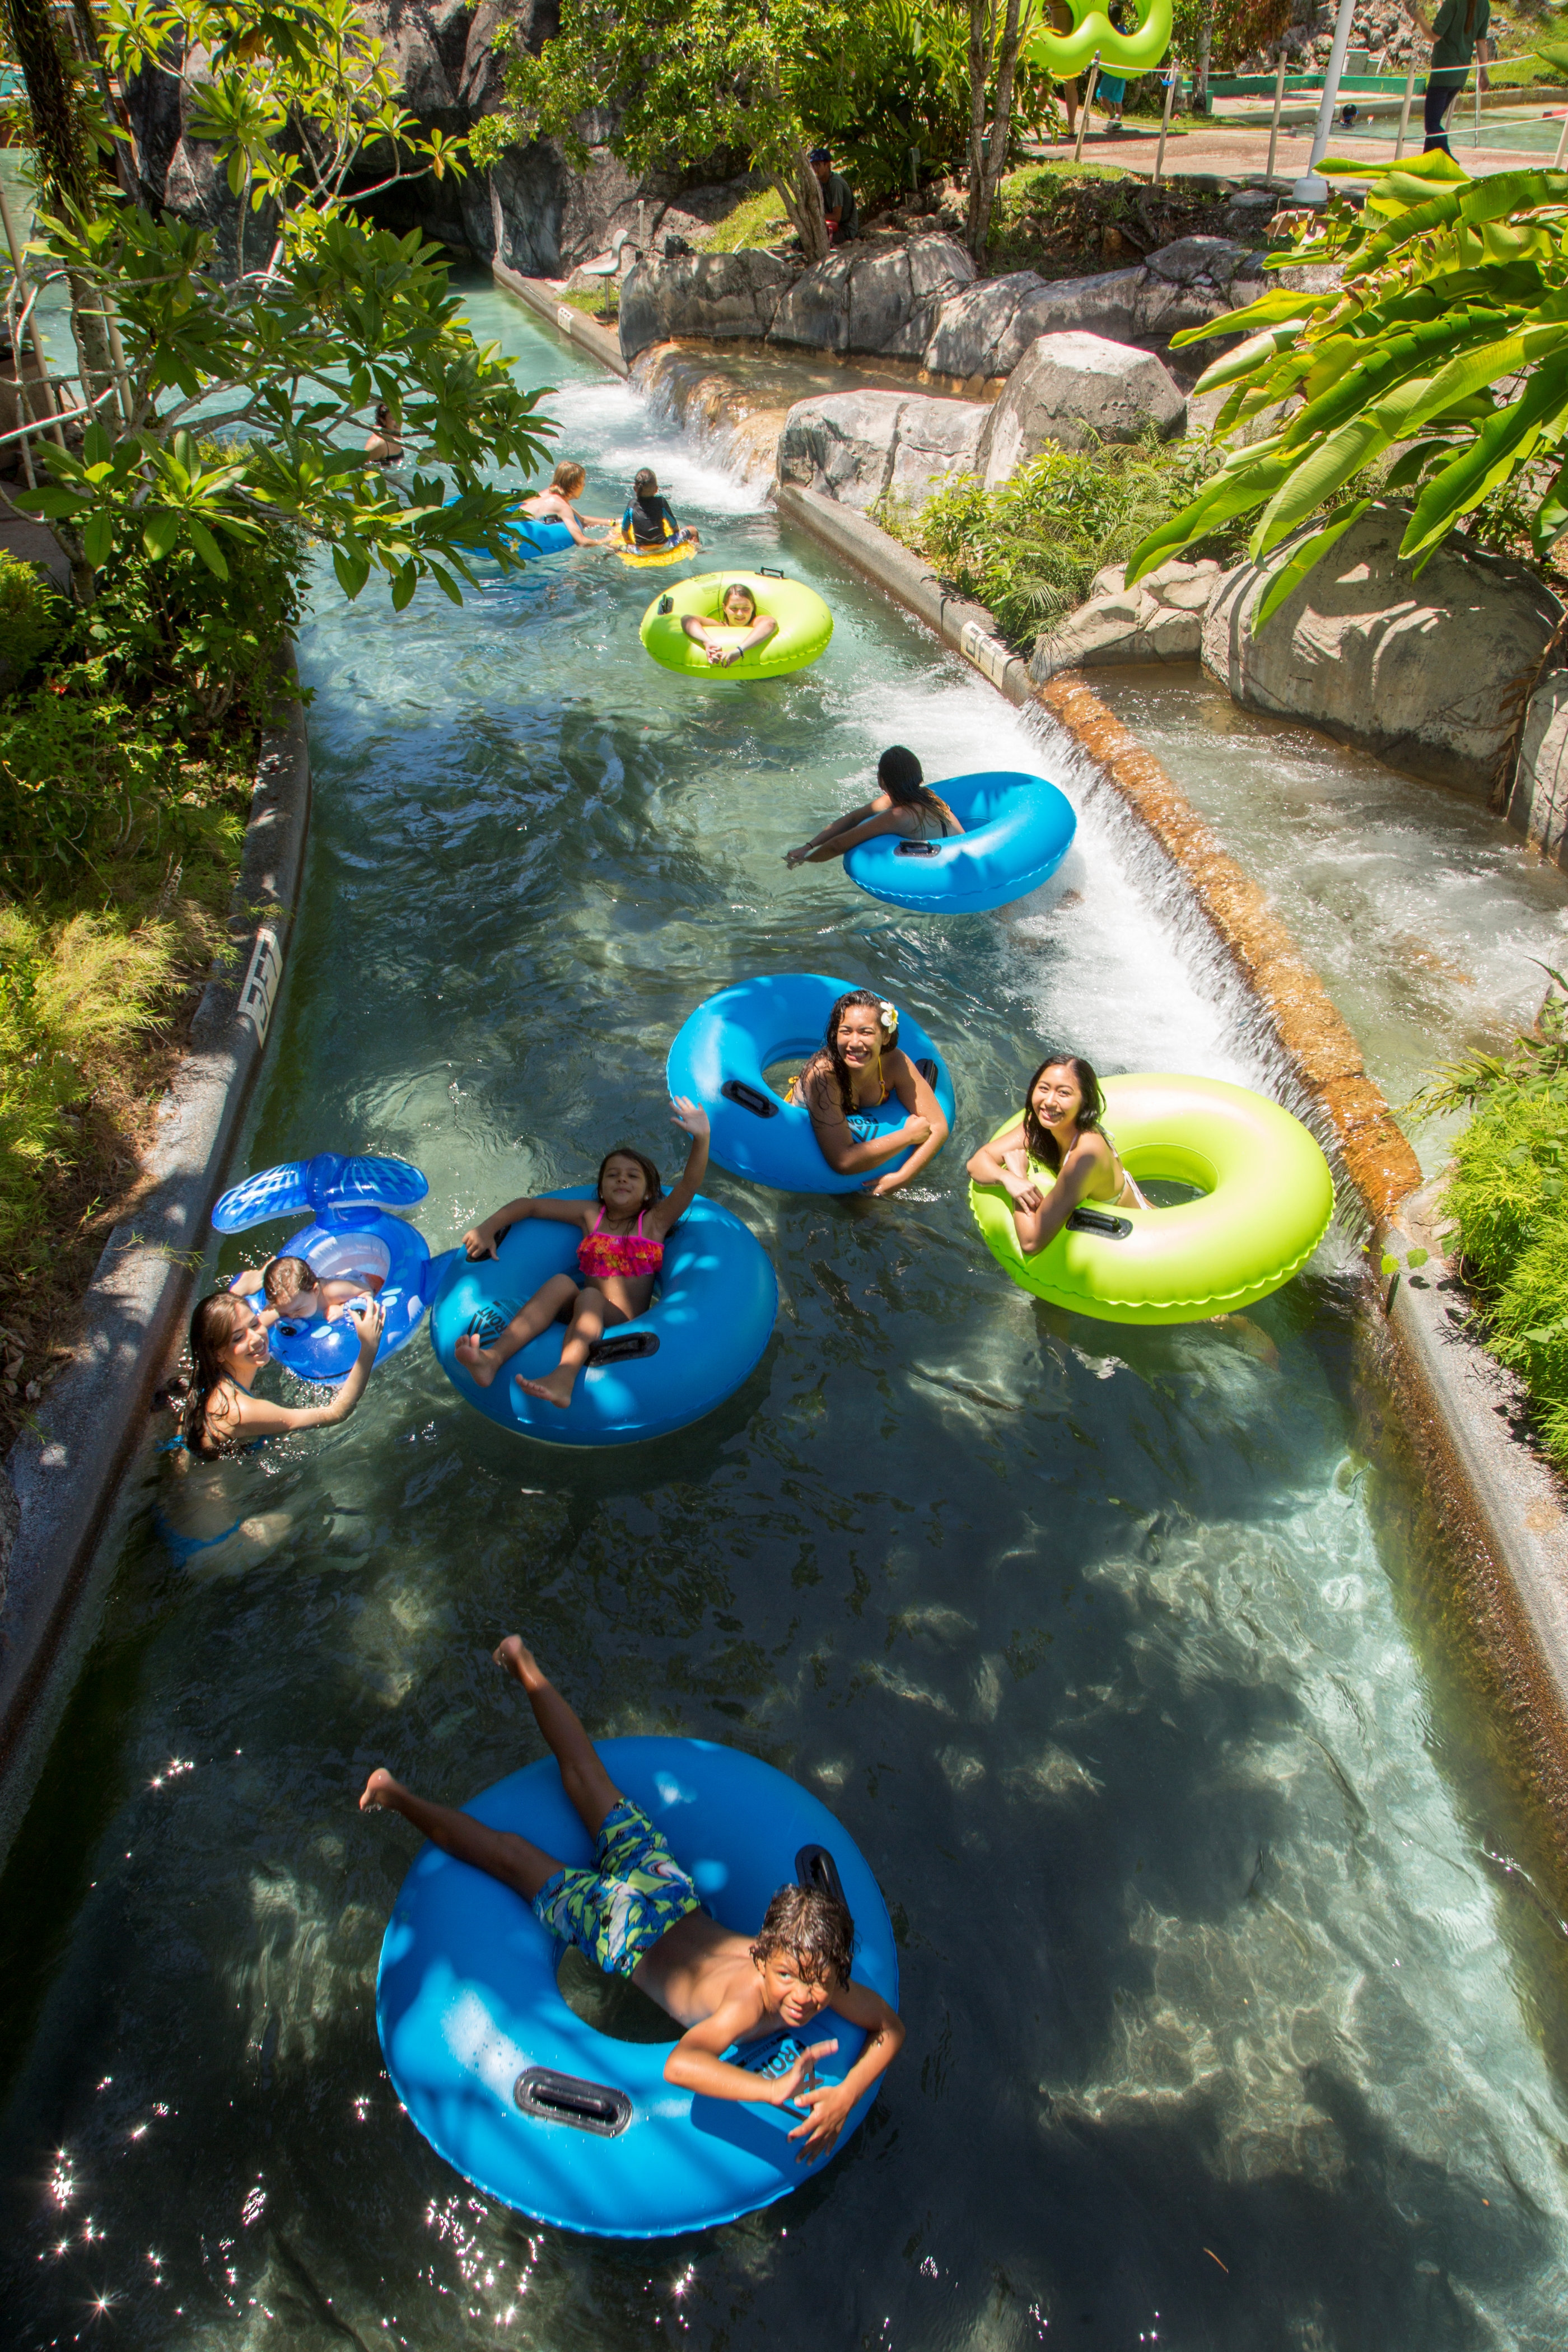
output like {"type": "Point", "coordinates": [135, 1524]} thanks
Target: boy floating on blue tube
{"type": "Point", "coordinates": [637, 1913]}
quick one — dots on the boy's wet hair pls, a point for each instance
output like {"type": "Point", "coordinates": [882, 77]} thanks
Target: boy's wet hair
{"type": "Point", "coordinates": [285, 1278]}
{"type": "Point", "coordinates": [646, 483]}
{"type": "Point", "coordinates": [568, 477]}
{"type": "Point", "coordinates": [813, 1928]}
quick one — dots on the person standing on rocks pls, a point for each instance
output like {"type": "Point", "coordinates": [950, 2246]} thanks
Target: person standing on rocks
{"type": "Point", "coordinates": [839, 209]}
{"type": "Point", "coordinates": [1458, 34]}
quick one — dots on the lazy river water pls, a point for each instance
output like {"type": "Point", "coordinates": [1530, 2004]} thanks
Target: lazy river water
{"type": "Point", "coordinates": [1231, 2022]}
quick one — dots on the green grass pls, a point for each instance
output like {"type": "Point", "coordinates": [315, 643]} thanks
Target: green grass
{"type": "Point", "coordinates": [758, 219]}
{"type": "Point", "coordinates": [1508, 1195]}
{"type": "Point", "coordinates": [128, 741]}
{"type": "Point", "coordinates": [593, 300]}
{"type": "Point", "coordinates": [1029, 550]}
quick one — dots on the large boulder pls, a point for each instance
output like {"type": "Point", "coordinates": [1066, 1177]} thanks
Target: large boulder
{"type": "Point", "coordinates": [1160, 620]}
{"type": "Point", "coordinates": [882, 297]}
{"type": "Point", "coordinates": [860, 446]}
{"type": "Point", "coordinates": [1072, 390]}
{"type": "Point", "coordinates": [717, 296]}
{"type": "Point", "coordinates": [1538, 800]}
{"type": "Point", "coordinates": [985, 330]}
{"type": "Point", "coordinates": [1416, 670]}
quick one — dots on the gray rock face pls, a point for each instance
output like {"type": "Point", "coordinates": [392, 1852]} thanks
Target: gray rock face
{"type": "Point", "coordinates": [1537, 803]}
{"type": "Point", "coordinates": [10, 1522]}
{"type": "Point", "coordinates": [715, 295]}
{"type": "Point", "coordinates": [1074, 389]}
{"type": "Point", "coordinates": [1417, 671]}
{"type": "Point", "coordinates": [1160, 620]}
{"type": "Point", "coordinates": [868, 298]}
{"type": "Point", "coordinates": [858, 446]}
{"type": "Point", "coordinates": [985, 331]}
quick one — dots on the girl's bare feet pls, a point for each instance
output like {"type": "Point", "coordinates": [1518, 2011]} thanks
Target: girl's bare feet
{"type": "Point", "coordinates": [482, 1364]}
{"type": "Point", "coordinates": [514, 1657]}
{"type": "Point", "coordinates": [381, 1789]}
{"type": "Point", "coordinates": [555, 1388]}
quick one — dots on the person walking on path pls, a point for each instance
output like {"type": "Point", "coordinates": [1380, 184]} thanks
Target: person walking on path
{"type": "Point", "coordinates": [1458, 34]}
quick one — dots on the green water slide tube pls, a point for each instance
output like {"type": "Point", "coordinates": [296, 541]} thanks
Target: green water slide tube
{"type": "Point", "coordinates": [1063, 54]}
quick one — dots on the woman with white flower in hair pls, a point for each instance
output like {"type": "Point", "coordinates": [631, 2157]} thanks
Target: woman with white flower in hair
{"type": "Point", "coordinates": [857, 1070]}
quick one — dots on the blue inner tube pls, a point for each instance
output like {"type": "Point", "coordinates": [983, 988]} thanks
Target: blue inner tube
{"type": "Point", "coordinates": [1018, 830]}
{"type": "Point", "coordinates": [712, 1315]}
{"type": "Point", "coordinates": [529, 539]}
{"type": "Point", "coordinates": [346, 1241]}
{"type": "Point", "coordinates": [468, 2009]}
{"type": "Point", "coordinates": [719, 1058]}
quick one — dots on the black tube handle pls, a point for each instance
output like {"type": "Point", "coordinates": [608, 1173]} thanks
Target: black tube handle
{"type": "Point", "coordinates": [766, 572]}
{"type": "Point", "coordinates": [814, 1866]}
{"type": "Point", "coordinates": [621, 1348]}
{"type": "Point", "coordinates": [916, 849]}
{"type": "Point", "coordinates": [1095, 1221]}
{"type": "Point", "coordinates": [927, 1069]}
{"type": "Point", "coordinates": [571, 2099]}
{"type": "Point", "coordinates": [747, 1097]}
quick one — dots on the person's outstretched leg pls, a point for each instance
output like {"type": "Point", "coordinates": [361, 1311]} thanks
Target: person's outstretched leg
{"type": "Point", "coordinates": [583, 1775]}
{"type": "Point", "coordinates": [588, 1320]}
{"type": "Point", "coordinates": [511, 1859]}
{"type": "Point", "coordinates": [482, 1364]}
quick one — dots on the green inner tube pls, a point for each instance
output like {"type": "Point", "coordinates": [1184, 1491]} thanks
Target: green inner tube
{"type": "Point", "coordinates": [1266, 1199]}
{"type": "Point", "coordinates": [804, 626]}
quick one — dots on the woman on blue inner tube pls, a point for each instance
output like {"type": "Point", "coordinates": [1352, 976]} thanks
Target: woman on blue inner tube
{"type": "Point", "coordinates": [857, 1068]}
{"type": "Point", "coordinates": [619, 1261]}
{"type": "Point", "coordinates": [905, 805]}
{"type": "Point", "coordinates": [637, 1913]}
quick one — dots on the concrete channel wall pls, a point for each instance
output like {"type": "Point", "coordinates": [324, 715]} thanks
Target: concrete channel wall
{"type": "Point", "coordinates": [67, 1471]}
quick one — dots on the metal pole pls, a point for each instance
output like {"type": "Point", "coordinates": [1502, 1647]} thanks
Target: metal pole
{"type": "Point", "coordinates": [1404, 111]}
{"type": "Point", "coordinates": [1274, 126]}
{"type": "Point", "coordinates": [1312, 188]}
{"type": "Point", "coordinates": [1088, 100]}
{"type": "Point", "coordinates": [1562, 144]}
{"type": "Point", "coordinates": [1477, 116]}
{"type": "Point", "coordinates": [1172, 79]}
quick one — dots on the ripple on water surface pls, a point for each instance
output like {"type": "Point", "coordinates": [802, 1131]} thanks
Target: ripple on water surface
{"type": "Point", "coordinates": [1215, 2037]}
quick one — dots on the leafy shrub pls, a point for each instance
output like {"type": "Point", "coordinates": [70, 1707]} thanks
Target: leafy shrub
{"type": "Point", "coordinates": [31, 616]}
{"type": "Point", "coordinates": [137, 744]}
{"type": "Point", "coordinates": [1029, 550]}
{"type": "Point", "coordinates": [1508, 1195]}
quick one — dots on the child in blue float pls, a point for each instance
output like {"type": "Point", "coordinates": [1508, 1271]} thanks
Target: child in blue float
{"type": "Point", "coordinates": [636, 1914]}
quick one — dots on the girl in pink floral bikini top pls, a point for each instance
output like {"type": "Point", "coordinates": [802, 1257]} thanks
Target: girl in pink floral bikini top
{"type": "Point", "coordinates": [619, 1258]}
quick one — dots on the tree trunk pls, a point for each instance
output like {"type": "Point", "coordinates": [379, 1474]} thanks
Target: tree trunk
{"type": "Point", "coordinates": [1205, 42]}
{"type": "Point", "coordinates": [800, 192]}
{"type": "Point", "coordinates": [985, 173]}
{"type": "Point", "coordinates": [68, 167]}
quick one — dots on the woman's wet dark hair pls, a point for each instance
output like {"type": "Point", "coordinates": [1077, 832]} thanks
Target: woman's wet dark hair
{"type": "Point", "coordinates": [653, 1181]}
{"type": "Point", "coordinates": [815, 1931]}
{"type": "Point", "coordinates": [1039, 1140]}
{"type": "Point", "coordinates": [213, 1326]}
{"type": "Point", "coordinates": [902, 778]}
{"type": "Point", "coordinates": [842, 1072]}
{"type": "Point", "coordinates": [646, 483]}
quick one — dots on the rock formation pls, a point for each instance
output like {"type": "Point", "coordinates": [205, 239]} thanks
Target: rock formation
{"type": "Point", "coordinates": [1074, 389]}
{"type": "Point", "coordinates": [860, 446]}
{"type": "Point", "coordinates": [1418, 671]}
{"type": "Point", "coordinates": [1160, 620]}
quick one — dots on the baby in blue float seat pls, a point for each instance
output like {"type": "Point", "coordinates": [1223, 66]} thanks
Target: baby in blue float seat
{"type": "Point", "coordinates": [636, 1914]}
{"type": "Point", "coordinates": [295, 1293]}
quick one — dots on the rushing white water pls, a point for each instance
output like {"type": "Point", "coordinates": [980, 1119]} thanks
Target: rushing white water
{"type": "Point", "coordinates": [1223, 2031]}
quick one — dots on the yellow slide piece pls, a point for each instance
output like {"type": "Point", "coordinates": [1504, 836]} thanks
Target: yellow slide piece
{"type": "Point", "coordinates": [1063, 54]}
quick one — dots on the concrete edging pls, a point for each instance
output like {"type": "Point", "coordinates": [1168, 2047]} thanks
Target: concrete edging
{"type": "Point", "coordinates": [575, 325]}
{"type": "Point", "coordinates": [94, 1416]}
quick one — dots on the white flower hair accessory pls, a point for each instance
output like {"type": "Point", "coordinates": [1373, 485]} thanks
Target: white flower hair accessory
{"type": "Point", "coordinates": [890, 1016]}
